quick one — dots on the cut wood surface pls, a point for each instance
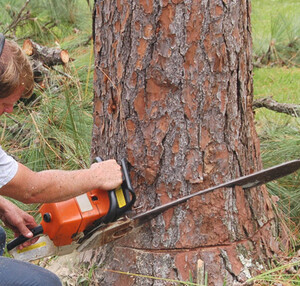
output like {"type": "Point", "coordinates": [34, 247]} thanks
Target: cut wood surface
{"type": "Point", "coordinates": [42, 58]}
{"type": "Point", "coordinates": [48, 56]}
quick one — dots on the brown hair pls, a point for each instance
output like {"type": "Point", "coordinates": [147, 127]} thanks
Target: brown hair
{"type": "Point", "coordinates": [15, 71]}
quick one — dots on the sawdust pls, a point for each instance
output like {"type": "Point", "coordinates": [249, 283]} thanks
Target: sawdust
{"type": "Point", "coordinates": [69, 269]}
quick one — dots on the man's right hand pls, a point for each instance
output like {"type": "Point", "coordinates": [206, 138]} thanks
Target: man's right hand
{"type": "Point", "coordinates": [108, 173]}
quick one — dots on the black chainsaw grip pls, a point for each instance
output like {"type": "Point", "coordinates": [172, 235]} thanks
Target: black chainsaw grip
{"type": "Point", "coordinates": [21, 239]}
{"type": "Point", "coordinates": [127, 182]}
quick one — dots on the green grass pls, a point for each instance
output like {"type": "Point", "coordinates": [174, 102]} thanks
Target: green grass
{"type": "Point", "coordinates": [276, 31]}
{"type": "Point", "coordinates": [283, 85]}
{"type": "Point", "coordinates": [280, 133]}
{"type": "Point", "coordinates": [46, 20]}
{"type": "Point", "coordinates": [276, 25]}
{"type": "Point", "coordinates": [55, 130]}
{"type": "Point", "coordinates": [264, 13]}
{"type": "Point", "coordinates": [279, 275]}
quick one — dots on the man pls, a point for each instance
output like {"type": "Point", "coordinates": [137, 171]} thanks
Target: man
{"type": "Point", "coordinates": [20, 183]}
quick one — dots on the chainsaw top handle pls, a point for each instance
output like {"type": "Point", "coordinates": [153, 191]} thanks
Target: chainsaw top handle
{"type": "Point", "coordinates": [122, 198]}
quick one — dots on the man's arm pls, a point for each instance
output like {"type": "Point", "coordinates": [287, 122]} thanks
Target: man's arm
{"type": "Point", "coordinates": [57, 185]}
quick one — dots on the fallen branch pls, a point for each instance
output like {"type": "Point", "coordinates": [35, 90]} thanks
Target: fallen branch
{"type": "Point", "coordinates": [48, 56]}
{"type": "Point", "coordinates": [270, 103]}
{"type": "Point", "coordinates": [43, 58]}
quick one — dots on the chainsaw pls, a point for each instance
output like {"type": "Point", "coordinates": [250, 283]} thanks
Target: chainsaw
{"type": "Point", "coordinates": [99, 217]}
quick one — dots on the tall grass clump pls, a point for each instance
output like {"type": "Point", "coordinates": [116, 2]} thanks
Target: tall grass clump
{"type": "Point", "coordinates": [45, 20]}
{"type": "Point", "coordinates": [276, 32]}
{"type": "Point", "coordinates": [282, 143]}
{"type": "Point", "coordinates": [285, 274]}
{"type": "Point", "coordinates": [53, 130]}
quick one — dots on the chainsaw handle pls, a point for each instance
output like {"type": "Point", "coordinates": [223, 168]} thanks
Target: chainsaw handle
{"type": "Point", "coordinates": [126, 183]}
{"type": "Point", "coordinates": [115, 211]}
{"type": "Point", "coordinates": [21, 239]}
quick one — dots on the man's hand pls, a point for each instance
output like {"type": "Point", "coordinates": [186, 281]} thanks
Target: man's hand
{"type": "Point", "coordinates": [17, 220]}
{"type": "Point", "coordinates": [107, 174]}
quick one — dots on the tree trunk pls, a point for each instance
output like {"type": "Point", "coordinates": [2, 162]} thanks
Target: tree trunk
{"type": "Point", "coordinates": [173, 95]}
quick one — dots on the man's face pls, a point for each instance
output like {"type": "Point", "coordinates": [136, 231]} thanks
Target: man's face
{"type": "Point", "coordinates": [7, 103]}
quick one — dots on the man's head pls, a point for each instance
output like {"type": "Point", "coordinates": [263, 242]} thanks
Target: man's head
{"type": "Point", "coordinates": [15, 71]}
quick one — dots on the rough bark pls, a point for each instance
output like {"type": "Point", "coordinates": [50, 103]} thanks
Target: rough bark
{"type": "Point", "coordinates": [173, 94]}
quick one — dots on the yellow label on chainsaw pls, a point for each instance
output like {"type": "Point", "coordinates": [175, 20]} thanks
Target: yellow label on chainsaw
{"type": "Point", "coordinates": [31, 247]}
{"type": "Point", "coordinates": [120, 197]}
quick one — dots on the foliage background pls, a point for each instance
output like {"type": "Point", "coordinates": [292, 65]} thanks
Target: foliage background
{"type": "Point", "coordinates": [54, 129]}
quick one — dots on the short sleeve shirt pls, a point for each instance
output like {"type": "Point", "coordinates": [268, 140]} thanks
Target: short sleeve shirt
{"type": "Point", "coordinates": [8, 168]}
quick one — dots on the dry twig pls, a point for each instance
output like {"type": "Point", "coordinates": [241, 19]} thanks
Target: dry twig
{"type": "Point", "coordinates": [19, 18]}
{"type": "Point", "coordinates": [270, 103]}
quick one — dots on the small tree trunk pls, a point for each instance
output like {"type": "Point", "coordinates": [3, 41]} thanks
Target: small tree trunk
{"type": "Point", "coordinates": [173, 94]}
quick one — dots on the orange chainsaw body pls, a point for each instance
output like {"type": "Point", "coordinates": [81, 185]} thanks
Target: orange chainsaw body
{"type": "Point", "coordinates": [75, 219]}
{"type": "Point", "coordinates": [62, 221]}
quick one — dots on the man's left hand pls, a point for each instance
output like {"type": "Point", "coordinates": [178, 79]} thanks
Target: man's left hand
{"type": "Point", "coordinates": [19, 221]}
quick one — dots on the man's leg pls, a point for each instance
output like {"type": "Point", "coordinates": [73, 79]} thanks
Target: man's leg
{"type": "Point", "coordinates": [17, 273]}
{"type": "Point", "coordinates": [2, 240]}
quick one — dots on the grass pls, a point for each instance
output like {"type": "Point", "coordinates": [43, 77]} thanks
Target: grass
{"type": "Point", "coordinates": [45, 20]}
{"type": "Point", "coordinates": [280, 133]}
{"type": "Point", "coordinates": [276, 31]}
{"type": "Point", "coordinates": [280, 275]}
{"type": "Point", "coordinates": [54, 131]}
{"type": "Point", "coordinates": [276, 27]}
{"type": "Point", "coordinates": [283, 85]}
{"type": "Point", "coordinates": [281, 82]}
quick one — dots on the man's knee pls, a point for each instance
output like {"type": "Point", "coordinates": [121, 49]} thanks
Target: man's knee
{"type": "Point", "coordinates": [16, 273]}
